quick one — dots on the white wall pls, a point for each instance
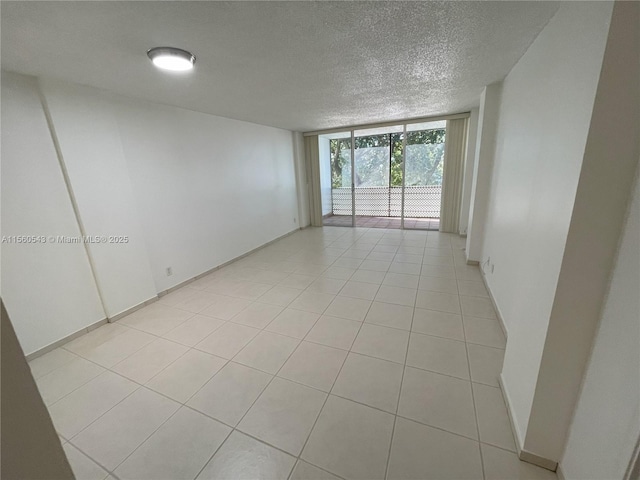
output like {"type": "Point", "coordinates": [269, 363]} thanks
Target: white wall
{"type": "Point", "coordinates": [48, 288]}
{"type": "Point", "coordinates": [208, 189]}
{"type": "Point", "coordinates": [482, 170]}
{"type": "Point", "coordinates": [191, 191]}
{"type": "Point", "coordinates": [200, 189]}
{"type": "Point", "coordinates": [606, 424]}
{"type": "Point", "coordinates": [544, 118]}
{"type": "Point", "coordinates": [604, 188]}
{"type": "Point", "coordinates": [324, 153]}
{"type": "Point", "coordinates": [87, 131]}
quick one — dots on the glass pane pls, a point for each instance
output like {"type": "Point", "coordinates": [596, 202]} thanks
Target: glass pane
{"type": "Point", "coordinates": [425, 154]}
{"type": "Point", "coordinates": [396, 160]}
{"type": "Point", "coordinates": [372, 161]}
{"type": "Point", "coordinates": [372, 169]}
{"type": "Point", "coordinates": [377, 176]}
{"type": "Point", "coordinates": [423, 175]}
{"type": "Point", "coordinates": [341, 163]}
{"type": "Point", "coordinates": [340, 168]}
{"type": "Point", "coordinates": [395, 188]}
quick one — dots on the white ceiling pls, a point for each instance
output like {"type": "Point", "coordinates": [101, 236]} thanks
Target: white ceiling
{"type": "Point", "coordinates": [296, 65]}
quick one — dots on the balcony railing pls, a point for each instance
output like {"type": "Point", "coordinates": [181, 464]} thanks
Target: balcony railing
{"type": "Point", "coordinates": [419, 202]}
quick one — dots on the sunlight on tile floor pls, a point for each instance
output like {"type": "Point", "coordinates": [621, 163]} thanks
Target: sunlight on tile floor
{"type": "Point", "coordinates": [332, 353]}
{"type": "Point", "coordinates": [381, 222]}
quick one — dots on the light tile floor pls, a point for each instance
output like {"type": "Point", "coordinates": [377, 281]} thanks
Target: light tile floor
{"type": "Point", "coordinates": [381, 222]}
{"type": "Point", "coordinates": [332, 353]}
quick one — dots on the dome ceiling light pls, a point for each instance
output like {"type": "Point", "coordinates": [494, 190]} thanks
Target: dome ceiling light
{"type": "Point", "coordinates": [172, 59]}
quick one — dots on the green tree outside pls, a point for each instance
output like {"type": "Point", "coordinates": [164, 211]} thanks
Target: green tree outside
{"type": "Point", "coordinates": [379, 159]}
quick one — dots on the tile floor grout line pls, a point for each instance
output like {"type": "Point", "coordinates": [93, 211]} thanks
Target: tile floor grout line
{"type": "Point", "coordinates": [254, 300]}
{"type": "Point", "coordinates": [273, 376]}
{"type": "Point", "coordinates": [73, 390]}
{"type": "Point", "coordinates": [188, 349]}
{"type": "Point", "coordinates": [137, 329]}
{"type": "Point", "coordinates": [304, 445]}
{"type": "Point", "coordinates": [231, 320]}
{"type": "Point", "coordinates": [395, 417]}
{"type": "Point", "coordinates": [214, 453]}
{"type": "Point", "coordinates": [419, 422]}
{"type": "Point", "coordinates": [122, 323]}
{"type": "Point", "coordinates": [70, 440]}
{"type": "Point", "coordinates": [503, 449]}
{"type": "Point", "coordinates": [148, 436]}
{"type": "Point", "coordinates": [316, 466]}
{"type": "Point", "coordinates": [105, 369]}
{"type": "Point", "coordinates": [199, 388]}
{"type": "Point", "coordinates": [139, 385]}
{"type": "Point", "coordinates": [177, 326]}
{"type": "Point", "coordinates": [87, 456]}
{"type": "Point", "coordinates": [473, 398]}
{"type": "Point", "coordinates": [192, 347]}
{"type": "Point", "coordinates": [233, 428]}
{"type": "Point", "coordinates": [393, 361]}
{"type": "Point", "coordinates": [342, 397]}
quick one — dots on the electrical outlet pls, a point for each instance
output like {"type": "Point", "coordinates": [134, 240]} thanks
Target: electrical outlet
{"type": "Point", "coordinates": [169, 271]}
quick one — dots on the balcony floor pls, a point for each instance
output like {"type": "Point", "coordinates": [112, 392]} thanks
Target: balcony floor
{"type": "Point", "coordinates": [382, 222]}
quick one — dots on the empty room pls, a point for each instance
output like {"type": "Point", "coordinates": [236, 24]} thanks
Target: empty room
{"type": "Point", "coordinates": [308, 240]}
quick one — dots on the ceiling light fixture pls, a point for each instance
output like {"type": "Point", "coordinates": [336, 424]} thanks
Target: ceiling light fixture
{"type": "Point", "coordinates": [173, 59]}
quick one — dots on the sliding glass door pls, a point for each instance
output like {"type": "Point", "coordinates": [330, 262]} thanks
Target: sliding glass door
{"type": "Point", "coordinates": [377, 162]}
{"type": "Point", "coordinates": [423, 174]}
{"type": "Point", "coordinates": [336, 179]}
{"type": "Point", "coordinates": [385, 177]}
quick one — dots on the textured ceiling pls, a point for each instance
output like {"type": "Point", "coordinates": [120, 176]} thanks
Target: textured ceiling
{"type": "Point", "coordinates": [295, 65]}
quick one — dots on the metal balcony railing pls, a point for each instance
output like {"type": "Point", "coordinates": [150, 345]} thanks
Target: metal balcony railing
{"type": "Point", "coordinates": [419, 202]}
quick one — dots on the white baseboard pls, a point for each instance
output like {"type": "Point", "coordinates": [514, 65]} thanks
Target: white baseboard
{"type": "Point", "coordinates": [128, 311]}
{"type": "Point", "coordinates": [503, 325]}
{"type": "Point", "coordinates": [235, 259]}
{"type": "Point", "coordinates": [512, 420]}
{"type": "Point", "coordinates": [67, 339]}
{"type": "Point", "coordinates": [468, 260]}
{"type": "Point", "coordinates": [538, 460]}
{"type": "Point", "coordinates": [523, 454]}
{"type": "Point", "coordinates": [560, 473]}
{"type": "Point", "coordinates": [87, 329]}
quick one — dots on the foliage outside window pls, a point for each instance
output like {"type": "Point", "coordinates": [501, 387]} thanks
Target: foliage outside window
{"type": "Point", "coordinates": [379, 160]}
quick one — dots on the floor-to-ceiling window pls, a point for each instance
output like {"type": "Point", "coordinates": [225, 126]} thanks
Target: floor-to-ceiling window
{"type": "Point", "coordinates": [423, 174]}
{"type": "Point", "coordinates": [384, 181]}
